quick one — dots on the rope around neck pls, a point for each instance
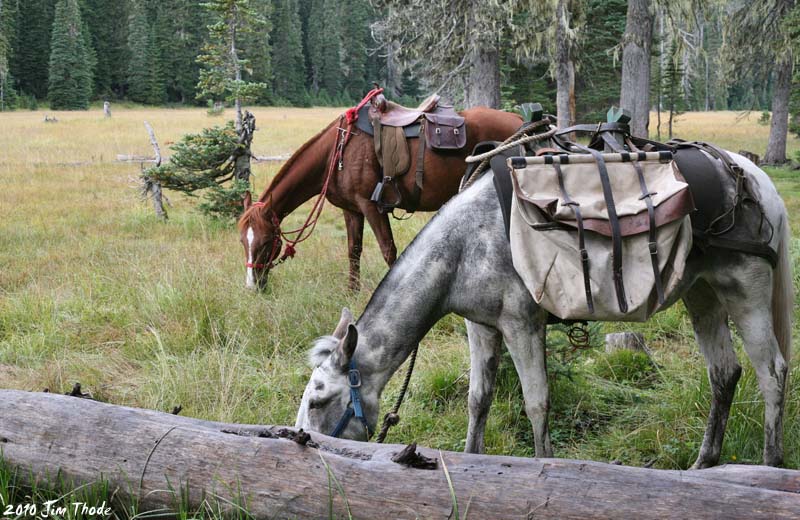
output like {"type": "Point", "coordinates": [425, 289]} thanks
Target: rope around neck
{"type": "Point", "coordinates": [391, 418]}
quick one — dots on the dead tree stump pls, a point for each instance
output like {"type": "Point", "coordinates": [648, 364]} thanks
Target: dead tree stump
{"type": "Point", "coordinates": [152, 188]}
{"type": "Point", "coordinates": [625, 341]}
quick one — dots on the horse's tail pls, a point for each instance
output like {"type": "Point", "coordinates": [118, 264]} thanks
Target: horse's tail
{"type": "Point", "coordinates": [783, 295]}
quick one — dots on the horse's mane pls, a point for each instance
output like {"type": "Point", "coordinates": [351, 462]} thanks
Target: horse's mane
{"type": "Point", "coordinates": [246, 218]}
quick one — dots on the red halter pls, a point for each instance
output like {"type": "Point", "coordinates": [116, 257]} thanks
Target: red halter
{"type": "Point", "coordinates": [275, 242]}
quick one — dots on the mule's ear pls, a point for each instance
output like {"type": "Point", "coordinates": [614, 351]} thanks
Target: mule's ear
{"type": "Point", "coordinates": [347, 345]}
{"type": "Point", "coordinates": [344, 321]}
{"type": "Point", "coordinates": [247, 201]}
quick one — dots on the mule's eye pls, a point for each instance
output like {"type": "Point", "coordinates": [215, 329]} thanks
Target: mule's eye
{"type": "Point", "coordinates": [318, 403]}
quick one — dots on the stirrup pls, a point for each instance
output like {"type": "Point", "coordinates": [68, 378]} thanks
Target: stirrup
{"type": "Point", "coordinates": [377, 195]}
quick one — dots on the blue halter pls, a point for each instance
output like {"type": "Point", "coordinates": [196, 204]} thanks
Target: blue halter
{"type": "Point", "coordinates": [354, 408]}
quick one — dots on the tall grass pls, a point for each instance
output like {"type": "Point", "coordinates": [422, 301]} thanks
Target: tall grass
{"type": "Point", "coordinates": [93, 288]}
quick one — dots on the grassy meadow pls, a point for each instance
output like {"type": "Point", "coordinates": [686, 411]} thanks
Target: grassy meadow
{"type": "Point", "coordinates": [93, 288]}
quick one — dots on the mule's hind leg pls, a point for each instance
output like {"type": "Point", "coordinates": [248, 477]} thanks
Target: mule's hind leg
{"type": "Point", "coordinates": [484, 356]}
{"type": "Point", "coordinates": [749, 302]}
{"type": "Point", "coordinates": [710, 322]}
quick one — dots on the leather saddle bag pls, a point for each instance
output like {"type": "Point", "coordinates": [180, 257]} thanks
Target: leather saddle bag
{"type": "Point", "coordinates": [445, 131]}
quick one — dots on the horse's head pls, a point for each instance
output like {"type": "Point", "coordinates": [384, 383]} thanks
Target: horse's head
{"type": "Point", "coordinates": [260, 235]}
{"type": "Point", "coordinates": [328, 401]}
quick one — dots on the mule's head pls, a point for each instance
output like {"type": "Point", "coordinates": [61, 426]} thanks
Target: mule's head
{"type": "Point", "coordinates": [260, 236]}
{"type": "Point", "coordinates": [327, 396]}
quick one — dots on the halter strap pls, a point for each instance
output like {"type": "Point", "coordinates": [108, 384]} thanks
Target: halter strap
{"type": "Point", "coordinates": [275, 240]}
{"type": "Point", "coordinates": [355, 407]}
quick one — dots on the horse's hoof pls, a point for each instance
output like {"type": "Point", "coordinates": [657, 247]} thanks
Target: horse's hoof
{"type": "Point", "coordinates": [702, 464]}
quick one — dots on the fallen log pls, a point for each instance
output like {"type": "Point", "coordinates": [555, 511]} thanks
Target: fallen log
{"type": "Point", "coordinates": [135, 158]}
{"type": "Point", "coordinates": [277, 473]}
{"type": "Point", "coordinates": [271, 158]}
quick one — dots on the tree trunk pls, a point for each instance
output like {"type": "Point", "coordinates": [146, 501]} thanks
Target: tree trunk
{"type": "Point", "coordinates": [483, 83]}
{"type": "Point", "coordinates": [237, 68]}
{"type": "Point", "coordinates": [779, 127]}
{"type": "Point", "coordinates": [636, 42]}
{"type": "Point", "coordinates": [565, 68]}
{"type": "Point", "coordinates": [241, 169]}
{"type": "Point", "coordinates": [143, 454]}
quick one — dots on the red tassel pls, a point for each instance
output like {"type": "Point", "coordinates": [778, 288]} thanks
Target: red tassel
{"type": "Point", "coordinates": [289, 251]}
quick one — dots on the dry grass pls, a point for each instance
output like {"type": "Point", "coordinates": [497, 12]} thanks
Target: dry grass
{"type": "Point", "coordinates": [732, 130]}
{"type": "Point", "coordinates": [94, 289]}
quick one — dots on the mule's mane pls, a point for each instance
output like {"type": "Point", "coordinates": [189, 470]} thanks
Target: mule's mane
{"type": "Point", "coordinates": [247, 218]}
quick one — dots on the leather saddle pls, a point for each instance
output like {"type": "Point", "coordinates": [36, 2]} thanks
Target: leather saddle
{"type": "Point", "coordinates": [439, 127]}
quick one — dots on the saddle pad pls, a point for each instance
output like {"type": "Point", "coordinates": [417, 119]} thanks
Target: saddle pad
{"type": "Point", "coordinates": [545, 240]}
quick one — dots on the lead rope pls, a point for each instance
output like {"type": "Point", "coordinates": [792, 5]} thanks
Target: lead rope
{"type": "Point", "coordinates": [391, 418]}
{"type": "Point", "coordinates": [510, 142]}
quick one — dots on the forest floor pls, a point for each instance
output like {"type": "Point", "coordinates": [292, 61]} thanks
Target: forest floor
{"type": "Point", "coordinates": [93, 288]}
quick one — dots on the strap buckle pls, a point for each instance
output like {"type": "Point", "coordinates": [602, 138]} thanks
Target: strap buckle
{"type": "Point", "coordinates": [354, 378]}
{"type": "Point", "coordinates": [653, 246]}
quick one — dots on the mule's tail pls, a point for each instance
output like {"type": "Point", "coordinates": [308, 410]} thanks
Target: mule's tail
{"type": "Point", "coordinates": [783, 295]}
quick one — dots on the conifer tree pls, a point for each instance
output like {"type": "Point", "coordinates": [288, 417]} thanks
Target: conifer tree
{"type": "Point", "coordinates": [315, 43]}
{"type": "Point", "coordinates": [287, 52]}
{"type": "Point", "coordinates": [70, 75]}
{"type": "Point", "coordinates": [8, 17]}
{"type": "Point", "coordinates": [30, 60]}
{"type": "Point", "coordinates": [257, 49]}
{"type": "Point", "coordinates": [223, 66]}
{"type": "Point", "coordinates": [357, 15]}
{"type": "Point", "coordinates": [108, 23]}
{"type": "Point", "coordinates": [180, 30]}
{"type": "Point", "coordinates": [140, 49]}
{"type": "Point", "coordinates": [331, 66]}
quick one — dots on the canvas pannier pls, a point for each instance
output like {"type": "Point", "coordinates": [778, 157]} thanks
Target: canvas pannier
{"type": "Point", "coordinates": [600, 236]}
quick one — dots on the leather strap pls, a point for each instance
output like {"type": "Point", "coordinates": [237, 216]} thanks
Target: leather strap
{"type": "Point", "coordinates": [616, 235]}
{"type": "Point", "coordinates": [501, 179]}
{"type": "Point", "coordinates": [761, 249]}
{"type": "Point", "coordinates": [376, 139]}
{"type": "Point", "coordinates": [420, 171]}
{"type": "Point", "coordinates": [576, 208]}
{"type": "Point", "coordinates": [591, 129]}
{"type": "Point", "coordinates": [653, 234]}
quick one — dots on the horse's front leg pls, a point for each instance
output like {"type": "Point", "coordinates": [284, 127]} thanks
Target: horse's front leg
{"type": "Point", "coordinates": [354, 222]}
{"type": "Point", "coordinates": [484, 356]}
{"type": "Point", "coordinates": [525, 338]}
{"type": "Point", "coordinates": [379, 222]}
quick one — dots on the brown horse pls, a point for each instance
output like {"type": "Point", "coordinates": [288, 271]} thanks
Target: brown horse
{"type": "Point", "coordinates": [350, 188]}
